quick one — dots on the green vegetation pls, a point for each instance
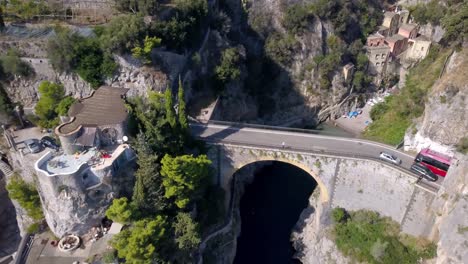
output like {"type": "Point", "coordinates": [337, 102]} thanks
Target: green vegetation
{"type": "Point", "coordinates": [367, 237]}
{"type": "Point", "coordinates": [454, 22]}
{"type": "Point", "coordinates": [122, 33]}
{"type": "Point", "coordinates": [173, 201]}
{"type": "Point", "coordinates": [183, 28]}
{"type": "Point", "coordinates": [393, 117]}
{"type": "Point", "coordinates": [462, 145]}
{"type": "Point", "coordinates": [33, 228]}
{"type": "Point", "coordinates": [146, 7]}
{"type": "Point", "coordinates": [121, 211]}
{"type": "Point", "coordinates": [26, 195]}
{"type": "Point", "coordinates": [182, 113]}
{"type": "Point", "coordinates": [431, 12]}
{"type": "Point", "coordinates": [228, 70]}
{"type": "Point", "coordinates": [296, 18]}
{"type": "Point", "coordinates": [143, 242]}
{"type": "Point", "coordinates": [51, 104]}
{"type": "Point", "coordinates": [69, 51]}
{"type": "Point", "coordinates": [26, 9]}
{"type": "Point", "coordinates": [185, 177]}
{"type": "Point", "coordinates": [187, 234]}
{"type": "Point", "coordinates": [6, 107]}
{"type": "Point", "coordinates": [11, 65]}
{"type": "Point", "coordinates": [144, 52]}
{"type": "Point", "coordinates": [280, 48]}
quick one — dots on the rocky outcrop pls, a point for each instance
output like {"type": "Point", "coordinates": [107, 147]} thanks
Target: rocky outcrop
{"type": "Point", "coordinates": [451, 208]}
{"type": "Point", "coordinates": [131, 75]}
{"type": "Point", "coordinates": [310, 236]}
{"type": "Point", "coordinates": [271, 93]}
{"type": "Point", "coordinates": [444, 122]}
{"type": "Point", "coordinates": [10, 234]}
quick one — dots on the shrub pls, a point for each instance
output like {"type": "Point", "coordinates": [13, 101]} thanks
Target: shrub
{"type": "Point", "coordinates": [11, 64]}
{"type": "Point", "coordinates": [395, 116]}
{"type": "Point", "coordinates": [339, 215]}
{"type": "Point", "coordinates": [368, 237]}
{"type": "Point", "coordinates": [228, 69]}
{"type": "Point", "coordinates": [51, 104]}
{"type": "Point", "coordinates": [280, 48]}
{"type": "Point", "coordinates": [144, 52]}
{"type": "Point", "coordinates": [431, 12]}
{"type": "Point", "coordinates": [462, 145]}
{"type": "Point", "coordinates": [26, 195]}
{"type": "Point", "coordinates": [33, 228]}
{"type": "Point", "coordinates": [296, 18]}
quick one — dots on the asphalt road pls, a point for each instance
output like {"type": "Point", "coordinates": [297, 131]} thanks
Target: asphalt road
{"type": "Point", "coordinates": [297, 141]}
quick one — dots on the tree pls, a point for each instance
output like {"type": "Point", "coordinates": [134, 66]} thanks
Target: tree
{"type": "Point", "coordinates": [280, 48]}
{"type": "Point", "coordinates": [296, 18]}
{"type": "Point", "coordinates": [148, 193]}
{"type": "Point", "coordinates": [169, 106]}
{"type": "Point", "coordinates": [26, 195]}
{"type": "Point", "coordinates": [121, 211]}
{"type": "Point", "coordinates": [13, 65]}
{"type": "Point", "coordinates": [51, 94]}
{"type": "Point", "coordinates": [144, 53]}
{"type": "Point", "coordinates": [61, 49]}
{"type": "Point", "coordinates": [143, 242]}
{"type": "Point", "coordinates": [228, 69]}
{"type": "Point", "coordinates": [122, 33]}
{"type": "Point", "coordinates": [181, 108]}
{"type": "Point", "coordinates": [64, 105]}
{"type": "Point", "coordinates": [187, 233]}
{"type": "Point", "coordinates": [185, 177]}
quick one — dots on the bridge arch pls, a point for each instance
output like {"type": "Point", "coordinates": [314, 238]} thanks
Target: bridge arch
{"type": "Point", "coordinates": [324, 193]}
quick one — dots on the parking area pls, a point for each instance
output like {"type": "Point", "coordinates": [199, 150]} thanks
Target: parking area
{"type": "Point", "coordinates": [33, 133]}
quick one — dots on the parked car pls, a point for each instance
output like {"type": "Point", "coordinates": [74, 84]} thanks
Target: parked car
{"type": "Point", "coordinates": [33, 145]}
{"type": "Point", "coordinates": [50, 143]}
{"type": "Point", "coordinates": [424, 171]}
{"type": "Point", "coordinates": [389, 158]}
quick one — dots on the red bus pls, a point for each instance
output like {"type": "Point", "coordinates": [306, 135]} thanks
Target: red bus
{"type": "Point", "coordinates": [437, 162]}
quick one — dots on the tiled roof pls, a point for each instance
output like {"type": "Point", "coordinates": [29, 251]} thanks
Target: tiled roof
{"type": "Point", "coordinates": [104, 107]}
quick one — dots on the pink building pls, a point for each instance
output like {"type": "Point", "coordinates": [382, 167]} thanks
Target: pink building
{"type": "Point", "coordinates": [375, 39]}
{"type": "Point", "coordinates": [408, 31]}
{"type": "Point", "coordinates": [397, 44]}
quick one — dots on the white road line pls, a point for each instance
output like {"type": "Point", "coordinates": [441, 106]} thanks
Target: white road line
{"type": "Point", "coordinates": [266, 131]}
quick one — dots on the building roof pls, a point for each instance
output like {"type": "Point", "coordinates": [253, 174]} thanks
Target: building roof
{"type": "Point", "coordinates": [375, 35]}
{"type": "Point", "coordinates": [104, 107]}
{"type": "Point", "coordinates": [389, 14]}
{"type": "Point", "coordinates": [394, 38]}
{"type": "Point", "coordinates": [408, 27]}
{"type": "Point", "coordinates": [377, 48]}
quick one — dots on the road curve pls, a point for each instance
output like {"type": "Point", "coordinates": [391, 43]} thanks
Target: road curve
{"type": "Point", "coordinates": [298, 141]}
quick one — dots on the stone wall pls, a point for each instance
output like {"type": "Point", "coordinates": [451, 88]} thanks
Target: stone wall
{"type": "Point", "coordinates": [10, 233]}
{"type": "Point", "coordinates": [353, 184]}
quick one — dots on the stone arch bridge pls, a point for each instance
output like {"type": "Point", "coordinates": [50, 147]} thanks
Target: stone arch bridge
{"type": "Point", "coordinates": [347, 170]}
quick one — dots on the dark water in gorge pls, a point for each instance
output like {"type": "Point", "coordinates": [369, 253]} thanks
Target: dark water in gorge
{"type": "Point", "coordinates": [270, 208]}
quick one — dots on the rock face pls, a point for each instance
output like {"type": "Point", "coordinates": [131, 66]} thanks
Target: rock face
{"type": "Point", "coordinates": [451, 207]}
{"type": "Point", "coordinates": [131, 74]}
{"type": "Point", "coordinates": [444, 122]}
{"type": "Point", "coordinates": [10, 234]}
{"type": "Point", "coordinates": [310, 236]}
{"type": "Point", "coordinates": [270, 92]}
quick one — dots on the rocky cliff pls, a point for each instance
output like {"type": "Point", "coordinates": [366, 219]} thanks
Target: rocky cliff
{"type": "Point", "coordinates": [451, 208]}
{"type": "Point", "coordinates": [444, 122]}
{"type": "Point", "coordinates": [269, 91]}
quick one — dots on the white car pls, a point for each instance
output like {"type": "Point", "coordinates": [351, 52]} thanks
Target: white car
{"type": "Point", "coordinates": [389, 158]}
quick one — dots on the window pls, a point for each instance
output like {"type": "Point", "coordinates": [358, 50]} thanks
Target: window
{"type": "Point", "coordinates": [383, 64]}
{"type": "Point", "coordinates": [376, 56]}
{"type": "Point", "coordinates": [383, 56]}
{"type": "Point", "coordinates": [422, 48]}
{"type": "Point", "coordinates": [377, 64]}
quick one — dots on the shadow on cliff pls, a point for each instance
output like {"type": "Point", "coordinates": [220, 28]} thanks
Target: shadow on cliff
{"type": "Point", "coordinates": [9, 231]}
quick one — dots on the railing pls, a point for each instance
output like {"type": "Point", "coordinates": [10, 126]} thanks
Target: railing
{"type": "Point", "coordinates": [428, 186]}
{"type": "Point", "coordinates": [277, 128]}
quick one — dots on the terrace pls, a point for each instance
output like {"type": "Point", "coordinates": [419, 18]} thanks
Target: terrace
{"type": "Point", "coordinates": [53, 164]}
